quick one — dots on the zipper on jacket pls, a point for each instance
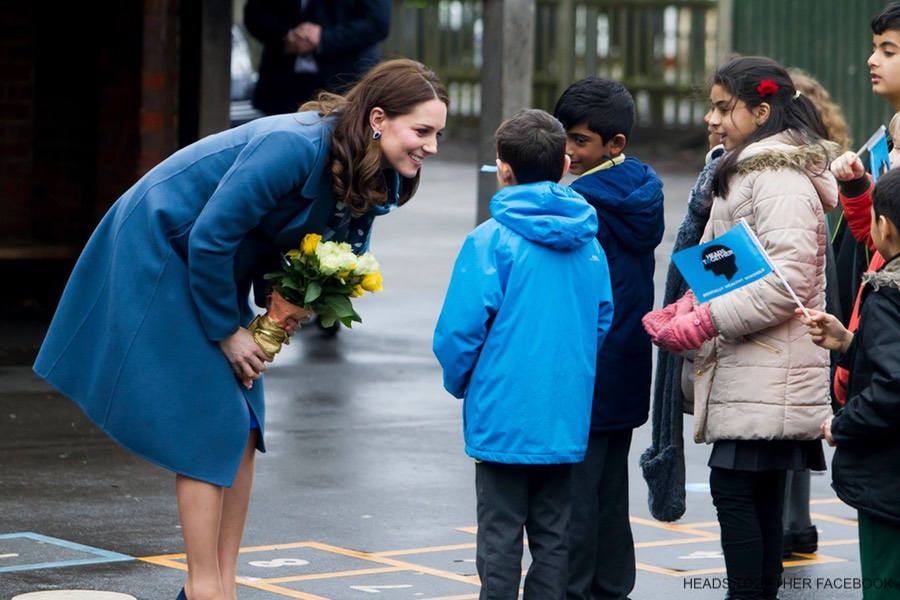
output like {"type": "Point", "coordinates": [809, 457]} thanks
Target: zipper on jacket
{"type": "Point", "coordinates": [768, 347]}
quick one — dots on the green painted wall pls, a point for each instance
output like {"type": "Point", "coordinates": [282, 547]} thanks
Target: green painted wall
{"type": "Point", "coordinates": [830, 39]}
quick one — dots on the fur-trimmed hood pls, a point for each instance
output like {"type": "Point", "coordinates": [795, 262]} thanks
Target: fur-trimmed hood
{"type": "Point", "coordinates": [886, 276]}
{"type": "Point", "coordinates": [781, 152]}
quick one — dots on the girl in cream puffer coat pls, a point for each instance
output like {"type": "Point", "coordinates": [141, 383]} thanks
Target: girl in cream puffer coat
{"type": "Point", "coordinates": [761, 377]}
{"type": "Point", "coordinates": [760, 384]}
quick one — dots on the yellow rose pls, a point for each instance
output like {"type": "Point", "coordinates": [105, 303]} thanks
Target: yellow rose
{"type": "Point", "coordinates": [372, 282]}
{"type": "Point", "coordinates": [293, 253]}
{"type": "Point", "coordinates": [357, 291]}
{"type": "Point", "coordinates": [309, 243]}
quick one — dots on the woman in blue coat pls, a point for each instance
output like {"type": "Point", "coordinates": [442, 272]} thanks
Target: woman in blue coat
{"type": "Point", "coordinates": [150, 335]}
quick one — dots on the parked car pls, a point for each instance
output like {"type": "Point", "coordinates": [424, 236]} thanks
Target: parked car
{"type": "Point", "coordinates": [243, 79]}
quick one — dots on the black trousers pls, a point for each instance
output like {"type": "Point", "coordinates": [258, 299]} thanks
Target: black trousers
{"type": "Point", "coordinates": [510, 498]}
{"type": "Point", "coordinates": [749, 505]}
{"type": "Point", "coordinates": [601, 547]}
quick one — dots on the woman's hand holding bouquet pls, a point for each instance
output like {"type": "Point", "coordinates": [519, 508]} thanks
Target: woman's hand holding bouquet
{"type": "Point", "coordinates": [321, 278]}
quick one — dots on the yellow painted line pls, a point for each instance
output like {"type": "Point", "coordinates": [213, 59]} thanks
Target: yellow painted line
{"type": "Point", "coordinates": [164, 561]}
{"type": "Point", "coordinates": [472, 530]}
{"type": "Point", "coordinates": [678, 542]}
{"type": "Point", "coordinates": [163, 557]}
{"type": "Point", "coordinates": [846, 542]}
{"type": "Point", "coordinates": [289, 546]}
{"type": "Point", "coordinates": [282, 591]}
{"type": "Point", "coordinates": [333, 574]}
{"type": "Point", "coordinates": [700, 524]}
{"type": "Point", "coordinates": [670, 527]}
{"type": "Point", "coordinates": [657, 570]}
{"type": "Point", "coordinates": [167, 561]}
{"type": "Point", "coordinates": [395, 563]}
{"type": "Point", "coordinates": [245, 550]}
{"type": "Point", "coordinates": [826, 501]}
{"type": "Point", "coordinates": [838, 520]}
{"type": "Point", "coordinates": [463, 597]}
{"type": "Point", "coordinates": [426, 550]}
{"type": "Point", "coordinates": [812, 559]}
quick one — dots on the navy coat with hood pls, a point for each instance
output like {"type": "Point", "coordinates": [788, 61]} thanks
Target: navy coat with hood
{"type": "Point", "coordinates": [629, 202]}
{"type": "Point", "coordinates": [528, 305]}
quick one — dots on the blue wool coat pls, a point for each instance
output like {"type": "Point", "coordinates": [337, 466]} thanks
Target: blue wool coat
{"type": "Point", "coordinates": [528, 304]}
{"type": "Point", "coordinates": [629, 202]}
{"type": "Point", "coordinates": [167, 274]}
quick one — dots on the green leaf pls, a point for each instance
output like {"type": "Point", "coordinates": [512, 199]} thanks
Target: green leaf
{"type": "Point", "coordinates": [326, 315]}
{"type": "Point", "coordinates": [313, 291]}
{"type": "Point", "coordinates": [340, 304]}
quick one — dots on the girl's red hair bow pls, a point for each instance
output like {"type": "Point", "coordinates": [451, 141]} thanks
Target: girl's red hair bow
{"type": "Point", "coordinates": [767, 88]}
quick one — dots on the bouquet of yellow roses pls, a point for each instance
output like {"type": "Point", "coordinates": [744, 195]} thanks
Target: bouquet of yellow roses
{"type": "Point", "coordinates": [319, 277]}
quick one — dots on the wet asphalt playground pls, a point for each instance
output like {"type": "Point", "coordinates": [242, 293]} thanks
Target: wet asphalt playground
{"type": "Point", "coordinates": [365, 491]}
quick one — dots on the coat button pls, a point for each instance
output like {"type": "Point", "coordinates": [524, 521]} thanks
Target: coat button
{"type": "Point", "coordinates": [699, 372]}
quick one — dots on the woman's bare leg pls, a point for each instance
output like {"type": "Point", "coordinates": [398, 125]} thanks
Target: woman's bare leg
{"type": "Point", "coordinates": [200, 510]}
{"type": "Point", "coordinates": [234, 514]}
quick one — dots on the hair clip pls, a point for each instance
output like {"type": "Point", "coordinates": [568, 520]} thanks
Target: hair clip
{"type": "Point", "coordinates": [767, 88]}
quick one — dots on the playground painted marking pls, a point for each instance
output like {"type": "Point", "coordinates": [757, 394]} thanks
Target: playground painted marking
{"type": "Point", "coordinates": [97, 555]}
{"type": "Point", "coordinates": [74, 595]}
{"type": "Point", "coordinates": [389, 561]}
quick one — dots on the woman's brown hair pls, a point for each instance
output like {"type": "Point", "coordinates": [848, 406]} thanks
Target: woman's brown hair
{"type": "Point", "coordinates": [395, 86]}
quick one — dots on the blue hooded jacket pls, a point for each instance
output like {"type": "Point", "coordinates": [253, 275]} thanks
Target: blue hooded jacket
{"type": "Point", "coordinates": [629, 202]}
{"type": "Point", "coordinates": [528, 305]}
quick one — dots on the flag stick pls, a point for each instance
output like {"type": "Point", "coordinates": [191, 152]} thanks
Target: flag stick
{"type": "Point", "coordinates": [881, 131]}
{"type": "Point", "coordinates": [774, 267]}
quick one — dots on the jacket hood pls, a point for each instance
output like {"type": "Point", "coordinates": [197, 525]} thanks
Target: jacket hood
{"type": "Point", "coordinates": [781, 152]}
{"type": "Point", "coordinates": [546, 213]}
{"type": "Point", "coordinates": [886, 276]}
{"type": "Point", "coordinates": [629, 198]}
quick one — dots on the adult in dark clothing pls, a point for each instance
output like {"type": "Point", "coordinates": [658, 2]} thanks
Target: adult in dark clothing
{"type": "Point", "coordinates": [309, 45]}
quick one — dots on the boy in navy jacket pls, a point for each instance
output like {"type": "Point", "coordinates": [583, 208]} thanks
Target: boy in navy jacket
{"type": "Point", "coordinates": [598, 115]}
{"type": "Point", "coordinates": [528, 305]}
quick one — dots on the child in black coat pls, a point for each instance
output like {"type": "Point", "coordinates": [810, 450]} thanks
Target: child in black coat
{"type": "Point", "coordinates": [866, 431]}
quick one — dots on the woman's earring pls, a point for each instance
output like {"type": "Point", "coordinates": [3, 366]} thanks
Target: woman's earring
{"type": "Point", "coordinates": [376, 135]}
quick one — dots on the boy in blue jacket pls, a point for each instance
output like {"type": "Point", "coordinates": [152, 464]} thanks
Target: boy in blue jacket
{"type": "Point", "coordinates": [598, 115]}
{"type": "Point", "coordinates": [528, 305]}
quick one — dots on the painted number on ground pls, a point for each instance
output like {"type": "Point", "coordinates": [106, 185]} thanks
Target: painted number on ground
{"type": "Point", "coordinates": [702, 554]}
{"type": "Point", "coordinates": [279, 562]}
{"type": "Point", "coordinates": [376, 589]}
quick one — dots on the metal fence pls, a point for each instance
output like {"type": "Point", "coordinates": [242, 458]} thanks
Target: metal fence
{"type": "Point", "coordinates": [662, 50]}
{"type": "Point", "coordinates": [830, 39]}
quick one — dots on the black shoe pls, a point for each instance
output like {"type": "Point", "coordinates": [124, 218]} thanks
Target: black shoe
{"type": "Point", "coordinates": [805, 541]}
{"type": "Point", "coordinates": [181, 595]}
{"type": "Point", "coordinates": [787, 546]}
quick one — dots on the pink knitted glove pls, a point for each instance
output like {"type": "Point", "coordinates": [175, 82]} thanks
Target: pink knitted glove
{"type": "Point", "coordinates": [654, 321]}
{"type": "Point", "coordinates": [687, 331]}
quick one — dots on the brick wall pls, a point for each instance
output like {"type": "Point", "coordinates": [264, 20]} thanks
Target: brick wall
{"type": "Point", "coordinates": [159, 85]}
{"type": "Point", "coordinates": [90, 100]}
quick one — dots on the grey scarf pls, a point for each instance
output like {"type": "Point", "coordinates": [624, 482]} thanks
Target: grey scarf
{"type": "Point", "coordinates": [663, 462]}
